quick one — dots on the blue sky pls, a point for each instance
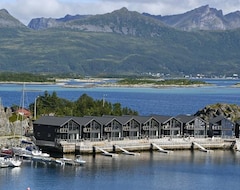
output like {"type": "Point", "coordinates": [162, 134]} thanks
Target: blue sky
{"type": "Point", "coordinates": [25, 10]}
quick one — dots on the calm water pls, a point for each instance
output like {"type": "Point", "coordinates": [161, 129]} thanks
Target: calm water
{"type": "Point", "coordinates": [166, 101]}
{"type": "Point", "coordinates": [180, 170]}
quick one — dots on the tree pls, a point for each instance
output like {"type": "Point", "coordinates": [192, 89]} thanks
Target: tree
{"type": "Point", "coordinates": [83, 106]}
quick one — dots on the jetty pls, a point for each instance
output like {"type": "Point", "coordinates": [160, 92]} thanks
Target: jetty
{"type": "Point", "coordinates": [104, 152]}
{"type": "Point", "coordinates": [126, 151]}
{"type": "Point", "coordinates": [161, 149]}
{"type": "Point", "coordinates": [200, 147]}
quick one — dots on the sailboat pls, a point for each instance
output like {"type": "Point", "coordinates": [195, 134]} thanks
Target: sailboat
{"type": "Point", "coordinates": [22, 149]}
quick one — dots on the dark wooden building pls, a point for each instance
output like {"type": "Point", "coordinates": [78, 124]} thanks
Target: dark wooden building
{"type": "Point", "coordinates": [220, 126]}
{"type": "Point", "coordinates": [193, 126]}
{"type": "Point", "coordinates": [50, 130]}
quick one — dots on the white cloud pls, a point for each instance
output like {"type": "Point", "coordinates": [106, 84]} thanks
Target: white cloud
{"type": "Point", "coordinates": [25, 10]}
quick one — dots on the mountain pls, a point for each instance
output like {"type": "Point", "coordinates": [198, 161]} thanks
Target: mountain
{"type": "Point", "coordinates": [6, 20]}
{"type": "Point", "coordinates": [119, 43]}
{"type": "Point", "coordinates": [202, 18]}
{"type": "Point", "coordinates": [233, 19]}
{"type": "Point", "coordinates": [44, 23]}
{"type": "Point", "coordinates": [120, 21]}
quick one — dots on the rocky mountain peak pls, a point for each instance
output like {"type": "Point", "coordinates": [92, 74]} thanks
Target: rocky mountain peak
{"type": "Point", "coordinates": [201, 18]}
{"type": "Point", "coordinates": [233, 19]}
{"type": "Point", "coordinates": [6, 20]}
{"type": "Point", "coordinates": [42, 23]}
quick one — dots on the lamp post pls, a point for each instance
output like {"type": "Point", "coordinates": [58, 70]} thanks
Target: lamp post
{"type": "Point", "coordinates": [35, 108]}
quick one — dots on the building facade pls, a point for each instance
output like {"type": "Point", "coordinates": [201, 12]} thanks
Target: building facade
{"type": "Point", "coordinates": [50, 130]}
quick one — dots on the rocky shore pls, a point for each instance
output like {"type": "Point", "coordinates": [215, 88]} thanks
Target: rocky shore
{"type": "Point", "coordinates": [11, 132]}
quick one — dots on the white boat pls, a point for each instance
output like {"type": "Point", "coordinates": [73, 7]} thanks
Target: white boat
{"type": "Point", "coordinates": [79, 160]}
{"type": "Point", "coordinates": [19, 151]}
{"type": "Point", "coordinates": [13, 162]}
{"type": "Point", "coordinates": [40, 153]}
{"type": "Point", "coordinates": [3, 163]}
{"type": "Point", "coordinates": [60, 161]}
{"type": "Point", "coordinates": [68, 161]}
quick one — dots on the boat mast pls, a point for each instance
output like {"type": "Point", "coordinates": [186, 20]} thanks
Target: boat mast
{"type": "Point", "coordinates": [22, 114]}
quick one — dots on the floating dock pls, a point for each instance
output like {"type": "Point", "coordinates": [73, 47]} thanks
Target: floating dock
{"type": "Point", "coordinates": [164, 144]}
{"type": "Point", "coordinates": [126, 151]}
{"type": "Point", "coordinates": [105, 153]}
{"type": "Point", "coordinates": [200, 147]}
{"type": "Point", "coordinates": [161, 149]}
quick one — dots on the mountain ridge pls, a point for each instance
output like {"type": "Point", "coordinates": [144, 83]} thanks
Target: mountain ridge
{"type": "Point", "coordinates": [201, 18]}
{"type": "Point", "coordinates": [119, 43]}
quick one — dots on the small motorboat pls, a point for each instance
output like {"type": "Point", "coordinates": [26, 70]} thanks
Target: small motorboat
{"type": "Point", "coordinates": [12, 162]}
{"type": "Point", "coordinates": [3, 163]}
{"type": "Point", "coordinates": [60, 161]}
{"type": "Point", "coordinates": [40, 153]}
{"type": "Point", "coordinates": [79, 160]}
{"type": "Point", "coordinates": [68, 161]}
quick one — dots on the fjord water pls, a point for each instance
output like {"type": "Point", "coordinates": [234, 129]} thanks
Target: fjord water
{"type": "Point", "coordinates": [147, 101]}
{"type": "Point", "coordinates": [180, 170]}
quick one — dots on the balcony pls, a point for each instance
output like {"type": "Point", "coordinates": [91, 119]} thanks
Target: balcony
{"type": "Point", "coordinates": [86, 130]}
{"type": "Point", "coordinates": [63, 130]}
{"type": "Point", "coordinates": [126, 128]}
{"type": "Point", "coordinates": [107, 129]}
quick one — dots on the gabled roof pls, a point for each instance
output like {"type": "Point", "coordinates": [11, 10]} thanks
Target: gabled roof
{"type": "Point", "coordinates": [162, 118]}
{"type": "Point", "coordinates": [83, 120]}
{"type": "Point", "coordinates": [107, 119]}
{"type": "Point", "coordinates": [145, 119]}
{"type": "Point", "coordinates": [125, 119]}
{"type": "Point", "coordinates": [23, 111]}
{"type": "Point", "coordinates": [52, 120]}
{"type": "Point", "coordinates": [186, 118]}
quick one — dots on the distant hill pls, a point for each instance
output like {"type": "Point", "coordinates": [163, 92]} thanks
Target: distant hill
{"type": "Point", "coordinates": [119, 43]}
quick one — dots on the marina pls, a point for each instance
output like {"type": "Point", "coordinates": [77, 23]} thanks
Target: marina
{"type": "Point", "coordinates": [149, 170]}
{"type": "Point", "coordinates": [187, 167]}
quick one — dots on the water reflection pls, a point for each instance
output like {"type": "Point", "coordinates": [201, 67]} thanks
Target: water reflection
{"type": "Point", "coordinates": [179, 170]}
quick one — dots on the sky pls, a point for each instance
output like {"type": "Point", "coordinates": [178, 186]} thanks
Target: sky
{"type": "Point", "coordinates": [25, 10]}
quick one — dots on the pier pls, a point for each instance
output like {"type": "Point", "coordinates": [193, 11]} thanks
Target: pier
{"type": "Point", "coordinates": [200, 147]}
{"type": "Point", "coordinates": [126, 151]}
{"type": "Point", "coordinates": [161, 149]}
{"type": "Point", "coordinates": [138, 145]}
{"type": "Point", "coordinates": [104, 152]}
